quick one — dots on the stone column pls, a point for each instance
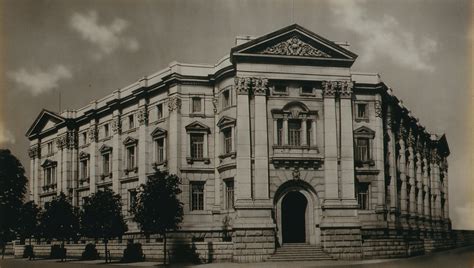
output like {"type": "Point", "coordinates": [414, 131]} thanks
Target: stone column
{"type": "Point", "coordinates": [174, 131]}
{"type": "Point", "coordinates": [436, 183]}
{"type": "Point", "coordinates": [275, 131]}
{"type": "Point", "coordinates": [218, 142]}
{"type": "Point", "coordinates": [446, 190]}
{"type": "Point", "coordinates": [347, 143]}
{"type": "Point", "coordinates": [313, 133]}
{"type": "Point", "coordinates": [261, 138]}
{"type": "Point", "coordinates": [391, 151]}
{"type": "Point", "coordinates": [143, 142]}
{"type": "Point", "coordinates": [419, 179]}
{"type": "Point", "coordinates": [330, 143]}
{"type": "Point", "coordinates": [243, 176]}
{"type": "Point", "coordinates": [285, 130]}
{"type": "Point", "coordinates": [93, 173]}
{"type": "Point", "coordinates": [34, 153]}
{"type": "Point", "coordinates": [116, 151]}
{"type": "Point", "coordinates": [411, 175]}
{"type": "Point", "coordinates": [59, 168]}
{"type": "Point", "coordinates": [426, 185]}
{"type": "Point", "coordinates": [304, 128]}
{"type": "Point", "coordinates": [402, 169]}
{"type": "Point", "coordinates": [379, 158]}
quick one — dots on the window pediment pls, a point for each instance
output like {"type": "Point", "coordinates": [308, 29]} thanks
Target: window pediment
{"type": "Point", "coordinates": [158, 132]}
{"type": "Point", "coordinates": [364, 132]}
{"type": "Point", "coordinates": [105, 149]}
{"type": "Point", "coordinates": [226, 121]}
{"type": "Point", "coordinates": [130, 141]}
{"type": "Point", "coordinates": [49, 163]}
{"type": "Point", "coordinates": [83, 156]}
{"type": "Point", "coordinates": [197, 127]}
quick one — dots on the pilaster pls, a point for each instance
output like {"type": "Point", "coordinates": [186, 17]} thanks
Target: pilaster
{"type": "Point", "coordinates": [174, 128]}
{"type": "Point", "coordinates": [330, 143]}
{"type": "Point", "coordinates": [116, 151]}
{"type": "Point", "coordinates": [391, 148]}
{"type": "Point", "coordinates": [379, 159]}
{"type": "Point", "coordinates": [419, 183]}
{"type": "Point", "coordinates": [261, 138]}
{"type": "Point", "coordinates": [402, 170]}
{"type": "Point", "coordinates": [143, 142]}
{"type": "Point", "coordinates": [93, 156]}
{"type": "Point", "coordinates": [412, 179]}
{"type": "Point", "coordinates": [347, 143]}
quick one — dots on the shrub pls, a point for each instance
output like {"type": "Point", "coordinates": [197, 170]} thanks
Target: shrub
{"type": "Point", "coordinates": [90, 252]}
{"type": "Point", "coordinates": [57, 252]}
{"type": "Point", "coordinates": [133, 253]}
{"type": "Point", "coordinates": [184, 253]}
{"type": "Point", "coordinates": [28, 252]}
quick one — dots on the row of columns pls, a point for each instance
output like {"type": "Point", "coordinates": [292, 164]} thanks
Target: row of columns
{"type": "Point", "coordinates": [304, 129]}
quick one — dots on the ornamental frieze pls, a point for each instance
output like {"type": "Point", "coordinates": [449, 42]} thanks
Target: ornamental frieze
{"type": "Point", "coordinates": [174, 103]}
{"type": "Point", "coordinates": [294, 47]}
{"type": "Point", "coordinates": [142, 116]}
{"type": "Point", "coordinates": [330, 88]}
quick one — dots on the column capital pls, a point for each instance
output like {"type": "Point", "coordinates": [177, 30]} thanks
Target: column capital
{"type": "Point", "coordinates": [378, 109]}
{"type": "Point", "coordinates": [242, 85]}
{"type": "Point", "coordinates": [34, 151]}
{"type": "Point", "coordinates": [329, 88]}
{"type": "Point", "coordinates": [259, 85]}
{"type": "Point", "coordinates": [71, 139]}
{"type": "Point", "coordinates": [143, 115]}
{"type": "Point", "coordinates": [174, 103]}
{"type": "Point", "coordinates": [61, 141]}
{"type": "Point", "coordinates": [117, 125]}
{"type": "Point", "coordinates": [92, 133]}
{"type": "Point", "coordinates": [345, 89]}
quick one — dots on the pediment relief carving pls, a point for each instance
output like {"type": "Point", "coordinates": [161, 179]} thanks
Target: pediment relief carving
{"type": "Point", "coordinates": [294, 46]}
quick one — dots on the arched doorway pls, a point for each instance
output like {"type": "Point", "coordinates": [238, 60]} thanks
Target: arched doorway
{"type": "Point", "coordinates": [293, 217]}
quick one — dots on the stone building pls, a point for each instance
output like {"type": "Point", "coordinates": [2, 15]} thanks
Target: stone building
{"type": "Point", "coordinates": [280, 142]}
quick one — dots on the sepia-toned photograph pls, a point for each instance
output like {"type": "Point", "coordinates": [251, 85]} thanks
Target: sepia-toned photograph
{"type": "Point", "coordinates": [236, 133]}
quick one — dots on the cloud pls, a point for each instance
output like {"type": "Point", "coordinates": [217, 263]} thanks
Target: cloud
{"type": "Point", "coordinates": [40, 81]}
{"type": "Point", "coordinates": [6, 136]}
{"type": "Point", "coordinates": [107, 38]}
{"type": "Point", "coordinates": [384, 37]}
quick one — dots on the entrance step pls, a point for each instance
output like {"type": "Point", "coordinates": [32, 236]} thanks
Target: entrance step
{"type": "Point", "coordinates": [299, 252]}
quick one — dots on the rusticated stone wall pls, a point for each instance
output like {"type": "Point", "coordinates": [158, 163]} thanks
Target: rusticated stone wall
{"type": "Point", "coordinates": [253, 245]}
{"type": "Point", "coordinates": [342, 243]}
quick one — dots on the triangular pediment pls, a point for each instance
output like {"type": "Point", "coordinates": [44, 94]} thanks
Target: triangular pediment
{"type": "Point", "coordinates": [158, 132]}
{"type": "Point", "coordinates": [364, 132]}
{"type": "Point", "coordinates": [129, 141]}
{"type": "Point", "coordinates": [49, 163]}
{"type": "Point", "coordinates": [293, 44]}
{"type": "Point", "coordinates": [225, 121]}
{"type": "Point", "coordinates": [197, 126]}
{"type": "Point", "coordinates": [104, 148]}
{"type": "Point", "coordinates": [84, 155]}
{"type": "Point", "coordinates": [45, 121]}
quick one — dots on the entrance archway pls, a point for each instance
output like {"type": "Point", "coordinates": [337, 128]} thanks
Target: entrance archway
{"type": "Point", "coordinates": [293, 217]}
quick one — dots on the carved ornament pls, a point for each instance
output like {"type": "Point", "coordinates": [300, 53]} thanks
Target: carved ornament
{"type": "Point", "coordinates": [378, 109]}
{"type": "Point", "coordinates": [242, 85]}
{"type": "Point", "coordinates": [259, 86]}
{"type": "Point", "coordinates": [330, 88]}
{"type": "Point", "coordinates": [174, 103]}
{"type": "Point", "coordinates": [294, 47]}
{"type": "Point", "coordinates": [117, 125]}
{"type": "Point", "coordinates": [34, 151]}
{"type": "Point", "coordinates": [142, 116]}
{"type": "Point", "coordinates": [93, 133]}
{"type": "Point", "coordinates": [345, 88]}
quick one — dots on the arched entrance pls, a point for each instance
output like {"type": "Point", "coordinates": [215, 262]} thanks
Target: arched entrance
{"type": "Point", "coordinates": [293, 218]}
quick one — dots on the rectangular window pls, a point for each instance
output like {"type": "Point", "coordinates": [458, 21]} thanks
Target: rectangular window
{"type": "Point", "coordinates": [361, 110]}
{"type": "Point", "coordinates": [362, 150]}
{"type": "Point", "coordinates": [229, 194]}
{"type": "Point", "coordinates": [307, 89]}
{"type": "Point", "coordinates": [196, 103]}
{"type": "Point", "coordinates": [279, 88]}
{"type": "Point", "coordinates": [226, 99]}
{"type": "Point", "coordinates": [49, 176]}
{"type": "Point", "coordinates": [131, 123]}
{"type": "Point", "coordinates": [308, 132]}
{"type": "Point", "coordinates": [159, 150]}
{"type": "Point", "coordinates": [50, 147]}
{"type": "Point", "coordinates": [294, 132]}
{"type": "Point", "coordinates": [227, 140]}
{"type": "Point", "coordinates": [197, 146]}
{"type": "Point", "coordinates": [106, 164]}
{"type": "Point", "coordinates": [106, 130]}
{"type": "Point", "coordinates": [159, 111]}
{"type": "Point", "coordinates": [280, 132]}
{"type": "Point", "coordinates": [197, 196]}
{"type": "Point", "coordinates": [363, 195]}
{"type": "Point", "coordinates": [132, 199]}
{"type": "Point", "coordinates": [84, 138]}
{"type": "Point", "coordinates": [84, 170]}
{"type": "Point", "coordinates": [131, 157]}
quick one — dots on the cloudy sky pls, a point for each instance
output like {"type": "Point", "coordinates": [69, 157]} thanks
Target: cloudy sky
{"type": "Point", "coordinates": [87, 49]}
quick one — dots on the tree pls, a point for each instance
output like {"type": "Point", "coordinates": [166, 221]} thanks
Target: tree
{"type": "Point", "coordinates": [29, 220]}
{"type": "Point", "coordinates": [59, 220]}
{"type": "Point", "coordinates": [101, 217]}
{"type": "Point", "coordinates": [12, 191]}
{"type": "Point", "coordinates": [158, 209]}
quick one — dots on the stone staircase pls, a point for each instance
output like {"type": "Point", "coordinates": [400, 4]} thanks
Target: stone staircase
{"type": "Point", "coordinates": [299, 252]}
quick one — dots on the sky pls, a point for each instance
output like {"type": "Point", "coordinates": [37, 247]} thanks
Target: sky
{"type": "Point", "coordinates": [84, 50]}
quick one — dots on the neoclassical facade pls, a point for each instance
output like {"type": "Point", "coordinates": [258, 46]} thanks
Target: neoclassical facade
{"type": "Point", "coordinates": [280, 142]}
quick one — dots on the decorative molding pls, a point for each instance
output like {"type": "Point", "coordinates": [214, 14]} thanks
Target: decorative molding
{"type": "Point", "coordinates": [364, 132]}
{"type": "Point", "coordinates": [49, 163]}
{"type": "Point", "coordinates": [72, 140]}
{"type": "Point", "coordinates": [242, 85]}
{"type": "Point", "coordinates": [378, 109]}
{"type": "Point", "coordinates": [174, 103]}
{"type": "Point", "coordinates": [130, 141]}
{"type": "Point", "coordinates": [143, 116]}
{"type": "Point", "coordinates": [296, 173]}
{"type": "Point", "coordinates": [215, 101]}
{"type": "Point", "coordinates": [117, 125]}
{"type": "Point", "coordinates": [61, 142]}
{"type": "Point", "coordinates": [197, 127]}
{"type": "Point", "coordinates": [226, 121]}
{"type": "Point", "coordinates": [259, 86]}
{"type": "Point", "coordinates": [84, 155]}
{"type": "Point", "coordinates": [294, 47]}
{"type": "Point", "coordinates": [402, 131]}
{"type": "Point", "coordinates": [158, 132]}
{"type": "Point", "coordinates": [329, 88]}
{"type": "Point", "coordinates": [105, 149]}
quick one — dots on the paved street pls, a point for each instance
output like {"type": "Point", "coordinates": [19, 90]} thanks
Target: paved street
{"type": "Point", "coordinates": [463, 257]}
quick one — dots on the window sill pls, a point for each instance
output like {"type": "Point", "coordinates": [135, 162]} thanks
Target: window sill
{"type": "Point", "coordinates": [130, 170]}
{"type": "Point", "coordinates": [191, 160]}
{"type": "Point", "coordinates": [369, 163]}
{"type": "Point", "coordinates": [308, 94]}
{"type": "Point", "coordinates": [105, 139]}
{"type": "Point", "coordinates": [83, 181]}
{"type": "Point", "coordinates": [49, 187]}
{"type": "Point", "coordinates": [274, 93]}
{"type": "Point", "coordinates": [200, 114]}
{"type": "Point", "coordinates": [129, 130]}
{"type": "Point", "coordinates": [360, 119]}
{"type": "Point", "coordinates": [232, 155]}
{"type": "Point", "coordinates": [199, 212]}
{"type": "Point", "coordinates": [307, 147]}
{"type": "Point", "coordinates": [157, 165]}
{"type": "Point", "coordinates": [105, 176]}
